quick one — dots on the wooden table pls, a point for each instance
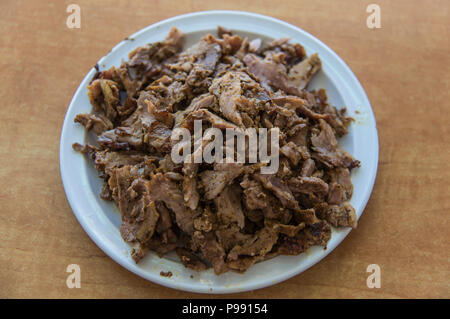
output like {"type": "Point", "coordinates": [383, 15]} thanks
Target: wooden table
{"type": "Point", "coordinates": [403, 66]}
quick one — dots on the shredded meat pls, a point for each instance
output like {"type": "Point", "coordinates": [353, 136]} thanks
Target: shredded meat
{"type": "Point", "coordinates": [163, 189]}
{"type": "Point", "coordinates": [229, 208]}
{"type": "Point", "coordinates": [214, 181]}
{"type": "Point", "coordinates": [223, 215]}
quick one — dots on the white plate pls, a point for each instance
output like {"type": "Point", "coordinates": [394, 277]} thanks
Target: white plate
{"type": "Point", "coordinates": [101, 219]}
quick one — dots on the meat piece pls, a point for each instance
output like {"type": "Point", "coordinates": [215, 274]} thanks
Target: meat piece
{"type": "Point", "coordinates": [308, 185]}
{"type": "Point", "coordinates": [163, 189]}
{"type": "Point", "coordinates": [243, 50]}
{"type": "Point", "coordinates": [166, 165]}
{"type": "Point", "coordinates": [230, 236]}
{"type": "Point", "coordinates": [337, 118]}
{"type": "Point", "coordinates": [285, 169]}
{"type": "Point", "coordinates": [249, 106]}
{"type": "Point", "coordinates": [341, 176]}
{"type": "Point", "coordinates": [212, 118]}
{"type": "Point", "coordinates": [191, 196]}
{"type": "Point", "coordinates": [254, 195]}
{"type": "Point", "coordinates": [214, 181]}
{"type": "Point", "coordinates": [327, 151]}
{"type": "Point", "coordinates": [229, 209]}
{"type": "Point", "coordinates": [272, 72]}
{"type": "Point", "coordinates": [190, 169]}
{"type": "Point", "coordinates": [149, 218]}
{"type": "Point", "coordinates": [122, 138]}
{"type": "Point", "coordinates": [207, 221]}
{"type": "Point", "coordinates": [162, 116]}
{"type": "Point", "coordinates": [231, 43]}
{"type": "Point", "coordinates": [189, 260]}
{"type": "Point", "coordinates": [206, 55]}
{"type": "Point", "coordinates": [298, 134]}
{"type": "Point", "coordinates": [278, 42]}
{"type": "Point", "coordinates": [159, 137]}
{"type": "Point", "coordinates": [254, 45]}
{"type": "Point", "coordinates": [85, 149]}
{"type": "Point", "coordinates": [173, 176]}
{"type": "Point", "coordinates": [341, 216]}
{"type": "Point", "coordinates": [269, 73]}
{"type": "Point", "coordinates": [211, 251]}
{"type": "Point", "coordinates": [341, 188]}
{"type": "Point", "coordinates": [227, 89]}
{"type": "Point", "coordinates": [301, 74]}
{"type": "Point", "coordinates": [294, 153]}
{"type": "Point", "coordinates": [139, 130]}
{"type": "Point", "coordinates": [165, 94]}
{"type": "Point", "coordinates": [104, 97]}
{"type": "Point", "coordinates": [106, 192]}
{"type": "Point", "coordinates": [97, 123]}
{"type": "Point", "coordinates": [166, 274]}
{"type": "Point", "coordinates": [120, 182]}
{"type": "Point", "coordinates": [293, 52]}
{"type": "Point", "coordinates": [107, 160]}
{"type": "Point", "coordinates": [279, 189]}
{"type": "Point", "coordinates": [205, 101]}
{"type": "Point", "coordinates": [207, 62]}
{"type": "Point", "coordinates": [162, 244]}
{"type": "Point", "coordinates": [242, 263]}
{"type": "Point", "coordinates": [165, 221]}
{"type": "Point", "coordinates": [259, 245]}
{"type": "Point", "coordinates": [145, 62]}
{"type": "Point", "coordinates": [299, 105]}
{"type": "Point", "coordinates": [261, 204]}
{"type": "Point", "coordinates": [139, 213]}
{"type": "Point", "coordinates": [127, 109]}
{"type": "Point", "coordinates": [175, 39]}
{"type": "Point", "coordinates": [308, 167]}
{"type": "Point", "coordinates": [221, 31]}
{"type": "Point", "coordinates": [316, 234]}
{"type": "Point", "coordinates": [288, 230]}
{"type": "Point", "coordinates": [307, 216]}
{"type": "Point", "coordinates": [336, 194]}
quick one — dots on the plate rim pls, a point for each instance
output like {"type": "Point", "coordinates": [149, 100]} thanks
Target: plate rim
{"type": "Point", "coordinates": [186, 286]}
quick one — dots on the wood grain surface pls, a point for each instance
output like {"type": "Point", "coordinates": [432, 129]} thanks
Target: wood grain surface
{"type": "Point", "coordinates": [403, 66]}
